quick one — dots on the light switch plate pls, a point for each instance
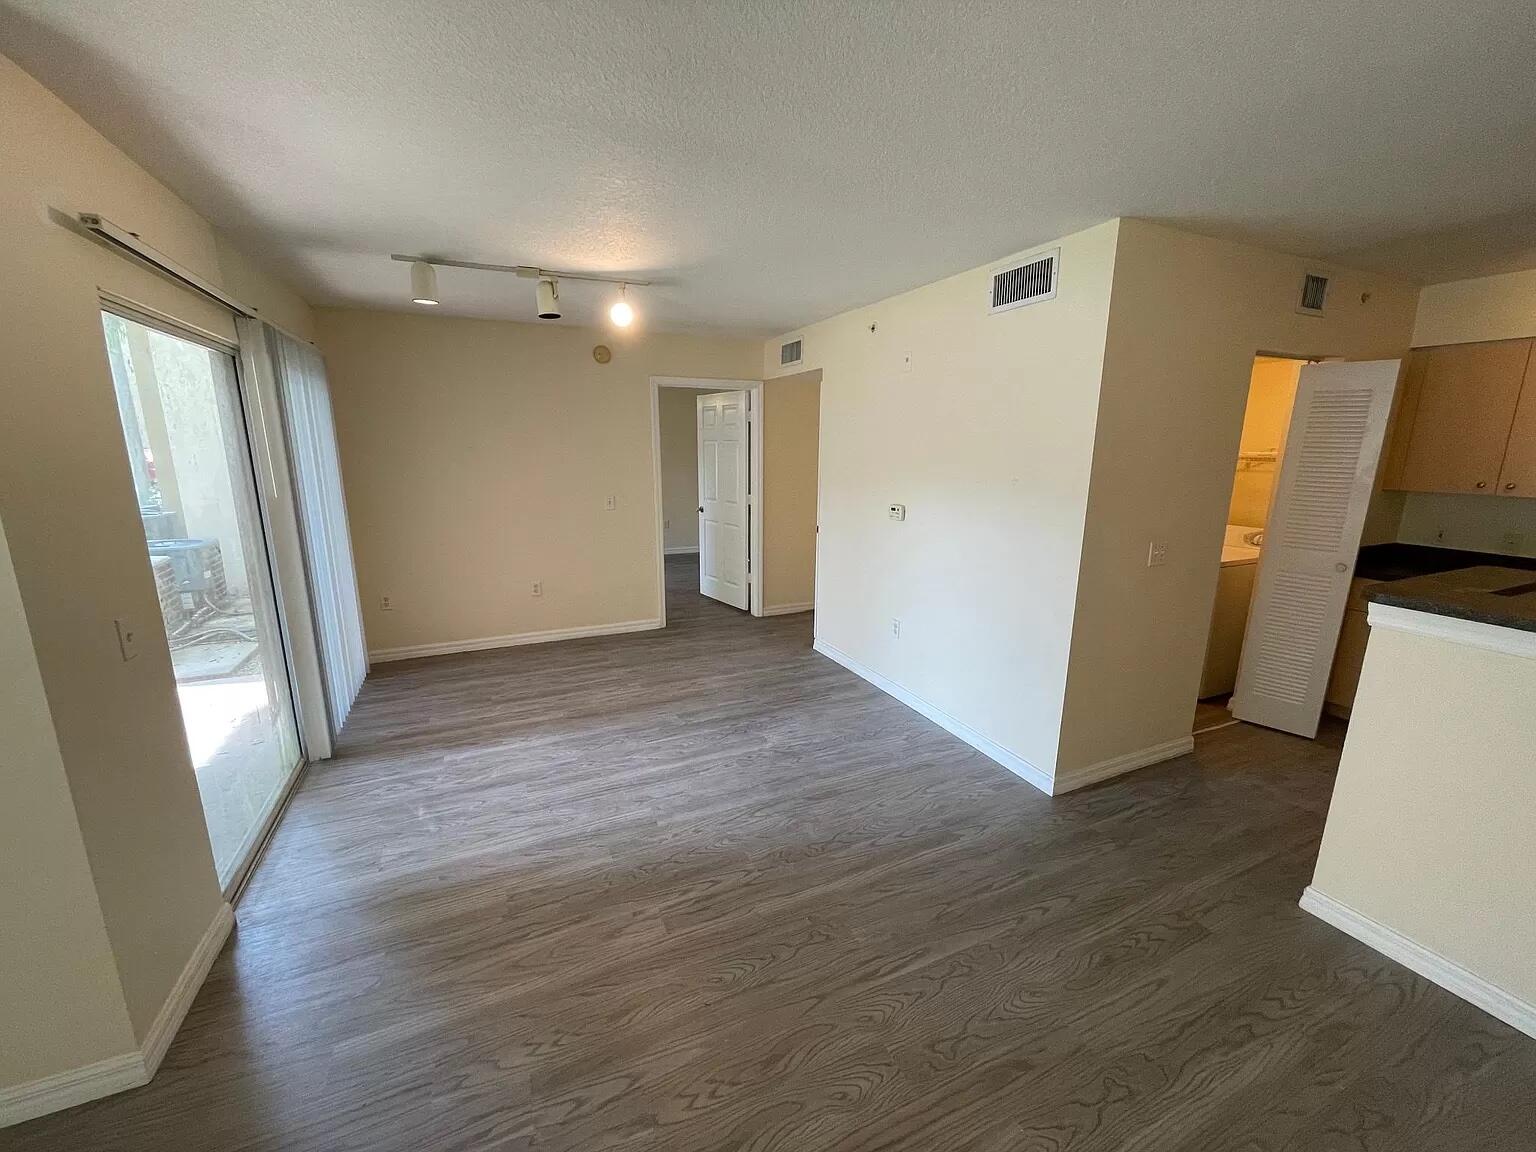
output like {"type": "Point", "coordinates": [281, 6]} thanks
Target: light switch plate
{"type": "Point", "coordinates": [127, 640]}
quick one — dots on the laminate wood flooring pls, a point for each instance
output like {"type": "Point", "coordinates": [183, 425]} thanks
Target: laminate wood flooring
{"type": "Point", "coordinates": [703, 889]}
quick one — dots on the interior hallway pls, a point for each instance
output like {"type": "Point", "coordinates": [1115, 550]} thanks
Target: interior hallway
{"type": "Point", "coordinates": [704, 889]}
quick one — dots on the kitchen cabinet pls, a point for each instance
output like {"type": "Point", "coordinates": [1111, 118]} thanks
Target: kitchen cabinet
{"type": "Point", "coordinates": [1464, 401]}
{"type": "Point", "coordinates": [1518, 476]}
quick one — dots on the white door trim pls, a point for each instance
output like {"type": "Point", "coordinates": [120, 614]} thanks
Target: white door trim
{"type": "Point", "coordinates": [754, 389]}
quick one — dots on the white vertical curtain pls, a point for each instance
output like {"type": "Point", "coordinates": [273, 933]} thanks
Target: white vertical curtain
{"type": "Point", "coordinates": [316, 470]}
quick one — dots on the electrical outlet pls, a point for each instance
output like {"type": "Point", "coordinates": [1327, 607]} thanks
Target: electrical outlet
{"type": "Point", "coordinates": [896, 628]}
{"type": "Point", "coordinates": [127, 640]}
{"type": "Point", "coordinates": [386, 604]}
{"type": "Point", "coordinates": [1157, 553]}
{"type": "Point", "coordinates": [538, 587]}
{"type": "Point", "coordinates": [610, 503]}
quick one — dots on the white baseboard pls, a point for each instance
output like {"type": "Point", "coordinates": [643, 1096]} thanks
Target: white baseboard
{"type": "Point", "coordinates": [130, 1069]}
{"type": "Point", "coordinates": [163, 1030]}
{"type": "Point", "coordinates": [787, 609]}
{"type": "Point", "coordinates": [1119, 765]}
{"type": "Point", "coordinates": [484, 643]}
{"type": "Point", "coordinates": [683, 551]}
{"type": "Point", "coordinates": [1448, 974]}
{"type": "Point", "coordinates": [67, 1089]}
{"type": "Point", "coordinates": [1012, 761]}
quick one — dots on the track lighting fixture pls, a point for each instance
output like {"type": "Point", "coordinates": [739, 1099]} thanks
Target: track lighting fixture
{"type": "Point", "coordinates": [546, 291]}
{"type": "Point", "coordinates": [548, 297]}
{"type": "Point", "coordinates": [621, 313]}
{"type": "Point", "coordinates": [423, 283]}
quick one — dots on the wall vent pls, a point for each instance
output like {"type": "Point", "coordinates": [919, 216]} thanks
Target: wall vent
{"type": "Point", "coordinates": [1026, 283]}
{"type": "Point", "coordinates": [1314, 294]}
{"type": "Point", "coordinates": [791, 352]}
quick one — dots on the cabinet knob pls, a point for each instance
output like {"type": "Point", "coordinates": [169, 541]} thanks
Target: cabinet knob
{"type": "Point", "coordinates": [1510, 487]}
{"type": "Point", "coordinates": [1482, 483]}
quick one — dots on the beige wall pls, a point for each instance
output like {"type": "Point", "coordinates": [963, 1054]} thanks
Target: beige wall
{"type": "Point", "coordinates": [76, 542]}
{"type": "Point", "coordinates": [985, 433]}
{"type": "Point", "coordinates": [791, 425]}
{"type": "Point", "coordinates": [1188, 316]}
{"type": "Point", "coordinates": [60, 999]}
{"type": "Point", "coordinates": [677, 415]}
{"type": "Point", "coordinates": [1271, 392]}
{"type": "Point", "coordinates": [1488, 308]}
{"type": "Point", "coordinates": [1475, 523]}
{"type": "Point", "coordinates": [477, 456]}
{"type": "Point", "coordinates": [1424, 839]}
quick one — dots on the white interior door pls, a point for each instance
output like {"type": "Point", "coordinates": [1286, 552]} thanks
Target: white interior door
{"type": "Point", "coordinates": [724, 526]}
{"type": "Point", "coordinates": [1326, 476]}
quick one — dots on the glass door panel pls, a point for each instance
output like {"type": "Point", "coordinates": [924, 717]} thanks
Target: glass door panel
{"type": "Point", "coordinates": [182, 420]}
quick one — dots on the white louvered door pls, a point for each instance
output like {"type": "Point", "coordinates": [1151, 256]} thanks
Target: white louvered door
{"type": "Point", "coordinates": [1327, 472]}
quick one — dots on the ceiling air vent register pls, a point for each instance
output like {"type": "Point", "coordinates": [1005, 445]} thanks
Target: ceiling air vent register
{"type": "Point", "coordinates": [1028, 283]}
{"type": "Point", "coordinates": [791, 352]}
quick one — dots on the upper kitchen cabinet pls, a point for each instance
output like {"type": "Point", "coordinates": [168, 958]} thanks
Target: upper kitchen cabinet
{"type": "Point", "coordinates": [1460, 402]}
{"type": "Point", "coordinates": [1518, 476]}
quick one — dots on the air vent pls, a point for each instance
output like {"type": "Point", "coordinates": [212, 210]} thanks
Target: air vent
{"type": "Point", "coordinates": [1026, 283]}
{"type": "Point", "coordinates": [1314, 294]}
{"type": "Point", "coordinates": [790, 353]}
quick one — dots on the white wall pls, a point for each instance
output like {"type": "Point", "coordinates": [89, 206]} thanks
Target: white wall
{"type": "Point", "coordinates": [1487, 308]}
{"type": "Point", "coordinates": [987, 437]}
{"type": "Point", "coordinates": [76, 541]}
{"type": "Point", "coordinates": [791, 427]}
{"type": "Point", "coordinates": [477, 457]}
{"type": "Point", "coordinates": [1188, 315]}
{"type": "Point", "coordinates": [61, 1006]}
{"type": "Point", "coordinates": [677, 415]}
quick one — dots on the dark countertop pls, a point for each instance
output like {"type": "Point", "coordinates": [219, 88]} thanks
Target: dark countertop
{"type": "Point", "coordinates": [1400, 561]}
{"type": "Point", "coordinates": [1501, 596]}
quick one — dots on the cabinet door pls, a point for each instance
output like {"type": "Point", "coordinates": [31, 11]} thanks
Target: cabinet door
{"type": "Point", "coordinates": [1466, 404]}
{"type": "Point", "coordinates": [1405, 408]}
{"type": "Point", "coordinates": [1518, 477]}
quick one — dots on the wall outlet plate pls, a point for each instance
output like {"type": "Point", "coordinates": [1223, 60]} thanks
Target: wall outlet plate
{"type": "Point", "coordinates": [897, 512]}
{"type": "Point", "coordinates": [610, 503]}
{"type": "Point", "coordinates": [386, 603]}
{"type": "Point", "coordinates": [896, 628]}
{"type": "Point", "coordinates": [1157, 553]}
{"type": "Point", "coordinates": [538, 587]}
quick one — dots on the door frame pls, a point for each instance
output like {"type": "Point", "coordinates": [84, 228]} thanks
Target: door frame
{"type": "Point", "coordinates": [754, 390]}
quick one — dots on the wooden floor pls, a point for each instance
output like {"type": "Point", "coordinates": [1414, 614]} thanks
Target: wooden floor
{"type": "Point", "coordinates": [705, 890]}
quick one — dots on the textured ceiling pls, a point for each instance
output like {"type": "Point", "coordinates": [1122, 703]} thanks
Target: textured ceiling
{"type": "Point", "coordinates": [772, 163]}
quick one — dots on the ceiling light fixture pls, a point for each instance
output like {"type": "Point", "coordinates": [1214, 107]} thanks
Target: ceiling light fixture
{"type": "Point", "coordinates": [547, 292]}
{"type": "Point", "coordinates": [621, 313]}
{"type": "Point", "coordinates": [548, 296]}
{"type": "Point", "coordinates": [423, 283]}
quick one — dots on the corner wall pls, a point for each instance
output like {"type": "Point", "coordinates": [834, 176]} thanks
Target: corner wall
{"type": "Point", "coordinates": [791, 428]}
{"type": "Point", "coordinates": [1187, 317]}
{"type": "Point", "coordinates": [477, 457]}
{"type": "Point", "coordinates": [982, 425]}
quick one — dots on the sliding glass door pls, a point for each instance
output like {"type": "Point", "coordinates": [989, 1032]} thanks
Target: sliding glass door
{"type": "Point", "coordinates": [188, 447]}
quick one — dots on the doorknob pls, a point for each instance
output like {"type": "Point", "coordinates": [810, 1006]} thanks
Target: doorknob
{"type": "Point", "coordinates": [701, 507]}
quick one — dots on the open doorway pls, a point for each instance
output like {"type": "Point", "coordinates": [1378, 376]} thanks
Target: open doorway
{"type": "Point", "coordinates": [736, 477]}
{"type": "Point", "coordinates": [1271, 395]}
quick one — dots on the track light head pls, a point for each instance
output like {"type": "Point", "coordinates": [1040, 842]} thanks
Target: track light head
{"type": "Point", "coordinates": [621, 313]}
{"type": "Point", "coordinates": [423, 283]}
{"type": "Point", "coordinates": [548, 295]}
